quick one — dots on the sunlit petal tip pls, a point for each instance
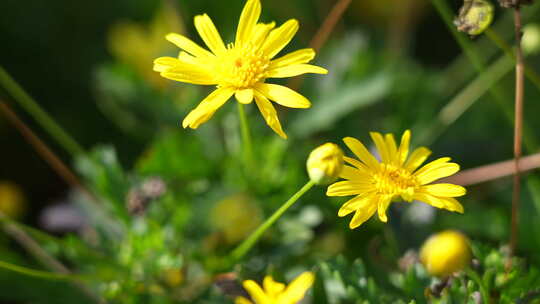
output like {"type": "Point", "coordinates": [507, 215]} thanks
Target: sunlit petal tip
{"type": "Point", "coordinates": [244, 96]}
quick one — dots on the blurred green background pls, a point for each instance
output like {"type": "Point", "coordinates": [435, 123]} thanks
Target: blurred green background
{"type": "Point", "coordinates": [394, 66]}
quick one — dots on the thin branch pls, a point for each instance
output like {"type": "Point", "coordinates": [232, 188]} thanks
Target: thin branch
{"type": "Point", "coordinates": [323, 34]}
{"type": "Point", "coordinates": [43, 150]}
{"type": "Point", "coordinates": [518, 132]}
{"type": "Point", "coordinates": [493, 171]}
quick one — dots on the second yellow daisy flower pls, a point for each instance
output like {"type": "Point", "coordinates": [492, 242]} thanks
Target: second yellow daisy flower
{"type": "Point", "coordinates": [240, 68]}
{"type": "Point", "coordinates": [377, 183]}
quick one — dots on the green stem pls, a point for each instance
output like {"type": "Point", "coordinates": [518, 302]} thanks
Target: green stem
{"type": "Point", "coordinates": [246, 245]}
{"type": "Point", "coordinates": [476, 278]}
{"type": "Point", "coordinates": [33, 108]}
{"type": "Point", "coordinates": [37, 273]}
{"type": "Point", "coordinates": [246, 137]}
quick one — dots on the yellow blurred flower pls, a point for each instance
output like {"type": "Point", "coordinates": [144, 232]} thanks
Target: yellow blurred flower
{"type": "Point", "coordinates": [240, 68]}
{"type": "Point", "coordinates": [173, 277]}
{"type": "Point", "coordinates": [445, 253]}
{"type": "Point", "coordinates": [236, 217]}
{"type": "Point", "coordinates": [277, 293]}
{"type": "Point", "coordinates": [12, 201]}
{"type": "Point", "coordinates": [377, 183]}
{"type": "Point", "coordinates": [325, 163]}
{"type": "Point", "coordinates": [137, 44]}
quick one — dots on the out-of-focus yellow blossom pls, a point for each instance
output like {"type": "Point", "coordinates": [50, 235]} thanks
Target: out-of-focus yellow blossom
{"type": "Point", "coordinates": [240, 68]}
{"type": "Point", "coordinates": [137, 45]}
{"type": "Point", "coordinates": [173, 277]}
{"type": "Point", "coordinates": [236, 217]}
{"type": "Point", "coordinates": [12, 201]}
{"type": "Point", "coordinates": [531, 38]}
{"type": "Point", "coordinates": [445, 253]}
{"type": "Point", "coordinates": [325, 163]}
{"type": "Point", "coordinates": [277, 293]}
{"type": "Point", "coordinates": [377, 183]}
{"type": "Point", "coordinates": [475, 16]}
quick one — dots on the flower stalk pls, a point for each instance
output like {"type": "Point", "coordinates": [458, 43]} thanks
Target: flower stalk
{"type": "Point", "coordinates": [247, 147]}
{"type": "Point", "coordinates": [248, 243]}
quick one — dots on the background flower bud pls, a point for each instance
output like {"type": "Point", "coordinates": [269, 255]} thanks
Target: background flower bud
{"type": "Point", "coordinates": [475, 16]}
{"type": "Point", "coordinates": [531, 38]}
{"type": "Point", "coordinates": [445, 253]}
{"type": "Point", "coordinates": [325, 163]}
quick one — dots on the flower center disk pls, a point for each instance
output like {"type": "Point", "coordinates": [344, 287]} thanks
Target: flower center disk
{"type": "Point", "coordinates": [242, 66]}
{"type": "Point", "coordinates": [392, 180]}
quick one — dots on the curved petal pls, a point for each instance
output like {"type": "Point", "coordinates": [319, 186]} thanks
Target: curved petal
{"type": "Point", "coordinates": [248, 20]}
{"type": "Point", "coordinates": [444, 190]}
{"type": "Point", "coordinates": [283, 95]}
{"type": "Point", "coordinates": [436, 172]}
{"type": "Point", "coordinates": [242, 300]}
{"type": "Point", "coordinates": [356, 203]}
{"type": "Point", "coordinates": [364, 214]}
{"type": "Point", "coordinates": [188, 74]}
{"type": "Point", "coordinates": [255, 291]}
{"type": "Point", "coordinates": [298, 288]}
{"type": "Point", "coordinates": [346, 188]}
{"type": "Point", "coordinates": [261, 32]}
{"type": "Point", "coordinates": [295, 70]}
{"type": "Point", "coordinates": [356, 163]}
{"type": "Point", "coordinates": [392, 148]}
{"type": "Point", "coordinates": [204, 111]}
{"type": "Point", "coordinates": [244, 96]}
{"type": "Point", "coordinates": [351, 173]}
{"type": "Point", "coordinates": [448, 203]}
{"type": "Point", "coordinates": [279, 38]}
{"type": "Point", "coordinates": [382, 206]}
{"type": "Point", "coordinates": [380, 143]}
{"type": "Point", "coordinates": [187, 45]}
{"type": "Point", "coordinates": [403, 150]}
{"type": "Point", "coordinates": [361, 152]}
{"type": "Point", "coordinates": [161, 64]}
{"type": "Point", "coordinates": [269, 113]}
{"type": "Point", "coordinates": [272, 287]}
{"type": "Point", "coordinates": [418, 157]}
{"type": "Point", "coordinates": [296, 57]}
{"type": "Point", "coordinates": [209, 34]}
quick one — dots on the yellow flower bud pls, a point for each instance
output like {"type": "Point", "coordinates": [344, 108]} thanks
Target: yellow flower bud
{"type": "Point", "coordinates": [445, 253]}
{"type": "Point", "coordinates": [475, 16]}
{"type": "Point", "coordinates": [531, 38]}
{"type": "Point", "coordinates": [325, 163]}
{"type": "Point", "coordinates": [12, 202]}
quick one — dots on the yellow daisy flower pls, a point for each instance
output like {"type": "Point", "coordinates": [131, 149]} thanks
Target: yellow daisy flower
{"type": "Point", "coordinates": [377, 183]}
{"type": "Point", "coordinates": [277, 293]}
{"type": "Point", "coordinates": [240, 68]}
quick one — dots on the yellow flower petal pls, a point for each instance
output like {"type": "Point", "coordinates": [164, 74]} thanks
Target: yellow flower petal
{"type": "Point", "coordinates": [283, 95]}
{"type": "Point", "coordinates": [161, 64]}
{"type": "Point", "coordinates": [256, 292]}
{"type": "Point", "coordinates": [187, 45]}
{"type": "Point", "coordinates": [209, 34]}
{"type": "Point", "coordinates": [296, 57]}
{"type": "Point", "coordinates": [364, 214]}
{"type": "Point", "coordinates": [418, 157]}
{"type": "Point", "coordinates": [248, 20]}
{"type": "Point", "coordinates": [436, 172]}
{"type": "Point", "coordinates": [448, 203]}
{"type": "Point", "coordinates": [403, 150]}
{"type": "Point", "coordinates": [242, 300]}
{"type": "Point", "coordinates": [244, 96]}
{"type": "Point", "coordinates": [279, 38]}
{"type": "Point", "coordinates": [361, 152]}
{"type": "Point", "coordinates": [188, 74]}
{"type": "Point", "coordinates": [269, 113]}
{"type": "Point", "coordinates": [345, 188]}
{"type": "Point", "coordinates": [392, 148]}
{"type": "Point", "coordinates": [356, 163]}
{"type": "Point", "coordinates": [204, 111]}
{"type": "Point", "coordinates": [381, 146]}
{"type": "Point", "coordinates": [298, 288]}
{"type": "Point", "coordinates": [382, 205]}
{"type": "Point", "coordinates": [351, 173]}
{"type": "Point", "coordinates": [272, 287]}
{"type": "Point", "coordinates": [295, 70]}
{"type": "Point", "coordinates": [261, 32]}
{"type": "Point", "coordinates": [444, 190]}
{"type": "Point", "coordinates": [359, 202]}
